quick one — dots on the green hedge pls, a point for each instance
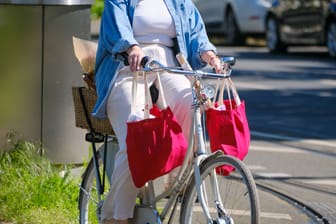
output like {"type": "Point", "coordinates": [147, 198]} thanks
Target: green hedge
{"type": "Point", "coordinates": [97, 9]}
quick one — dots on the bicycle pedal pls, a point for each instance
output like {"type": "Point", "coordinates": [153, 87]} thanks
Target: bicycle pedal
{"type": "Point", "coordinates": [94, 137]}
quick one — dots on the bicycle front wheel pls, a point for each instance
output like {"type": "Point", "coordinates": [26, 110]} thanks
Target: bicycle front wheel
{"type": "Point", "coordinates": [94, 189]}
{"type": "Point", "coordinates": [237, 200]}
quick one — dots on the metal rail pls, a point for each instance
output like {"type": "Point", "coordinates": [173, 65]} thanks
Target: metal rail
{"type": "Point", "coordinates": [311, 212]}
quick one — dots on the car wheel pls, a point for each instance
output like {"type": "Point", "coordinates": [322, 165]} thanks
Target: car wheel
{"type": "Point", "coordinates": [234, 37]}
{"type": "Point", "coordinates": [331, 39]}
{"type": "Point", "coordinates": [274, 43]}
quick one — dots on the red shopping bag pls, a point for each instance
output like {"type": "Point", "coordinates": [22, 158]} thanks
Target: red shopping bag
{"type": "Point", "coordinates": [228, 128]}
{"type": "Point", "coordinates": [155, 146]}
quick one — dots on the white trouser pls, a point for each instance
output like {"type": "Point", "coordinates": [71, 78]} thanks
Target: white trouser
{"type": "Point", "coordinates": [119, 202]}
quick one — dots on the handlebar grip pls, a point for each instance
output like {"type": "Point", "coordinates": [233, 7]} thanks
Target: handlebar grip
{"type": "Point", "coordinates": [124, 58]}
{"type": "Point", "coordinates": [144, 61]}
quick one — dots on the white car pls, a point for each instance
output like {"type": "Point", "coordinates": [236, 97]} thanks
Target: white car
{"type": "Point", "coordinates": [234, 18]}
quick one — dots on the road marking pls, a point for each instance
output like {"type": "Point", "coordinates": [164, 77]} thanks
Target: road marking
{"type": "Point", "coordinates": [273, 175]}
{"type": "Point", "coordinates": [271, 215]}
{"type": "Point", "coordinates": [294, 87]}
{"type": "Point", "coordinates": [281, 137]}
{"type": "Point", "coordinates": [275, 215]}
{"type": "Point", "coordinates": [274, 136]}
{"type": "Point", "coordinates": [246, 85]}
{"type": "Point", "coordinates": [318, 142]}
{"type": "Point", "coordinates": [256, 167]}
{"type": "Point", "coordinates": [328, 82]}
{"type": "Point", "coordinates": [321, 182]}
{"type": "Point", "coordinates": [276, 148]}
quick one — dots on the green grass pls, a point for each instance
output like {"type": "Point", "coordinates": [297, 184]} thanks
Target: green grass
{"type": "Point", "coordinates": [31, 189]}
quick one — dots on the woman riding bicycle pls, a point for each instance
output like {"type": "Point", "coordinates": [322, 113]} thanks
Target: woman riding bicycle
{"type": "Point", "coordinates": [139, 28]}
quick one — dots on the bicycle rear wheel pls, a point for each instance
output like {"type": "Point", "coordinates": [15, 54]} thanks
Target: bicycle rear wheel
{"type": "Point", "coordinates": [90, 197]}
{"type": "Point", "coordinates": [237, 191]}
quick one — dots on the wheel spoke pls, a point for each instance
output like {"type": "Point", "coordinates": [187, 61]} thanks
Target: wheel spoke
{"type": "Point", "coordinates": [237, 191]}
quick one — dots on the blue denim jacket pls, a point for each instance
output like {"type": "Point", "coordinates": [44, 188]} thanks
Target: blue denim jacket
{"type": "Point", "coordinates": [116, 36]}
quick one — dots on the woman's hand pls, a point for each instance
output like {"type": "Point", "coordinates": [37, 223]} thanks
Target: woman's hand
{"type": "Point", "coordinates": [135, 56]}
{"type": "Point", "coordinates": [213, 60]}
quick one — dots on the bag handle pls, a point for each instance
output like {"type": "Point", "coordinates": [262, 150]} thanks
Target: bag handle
{"type": "Point", "coordinates": [161, 92]}
{"type": "Point", "coordinates": [148, 98]}
{"type": "Point", "coordinates": [148, 101]}
{"type": "Point", "coordinates": [134, 91]}
{"type": "Point", "coordinates": [230, 87]}
{"type": "Point", "coordinates": [234, 92]}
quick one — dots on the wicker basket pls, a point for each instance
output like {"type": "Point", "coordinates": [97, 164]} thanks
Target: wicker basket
{"type": "Point", "coordinates": [83, 108]}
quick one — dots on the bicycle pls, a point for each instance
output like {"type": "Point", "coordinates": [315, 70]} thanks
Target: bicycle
{"type": "Point", "coordinates": [200, 193]}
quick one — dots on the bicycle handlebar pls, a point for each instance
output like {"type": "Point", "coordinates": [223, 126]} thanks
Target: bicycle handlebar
{"type": "Point", "coordinates": [151, 65]}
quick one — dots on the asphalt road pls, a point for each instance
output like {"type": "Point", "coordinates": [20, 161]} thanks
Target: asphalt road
{"type": "Point", "coordinates": [290, 101]}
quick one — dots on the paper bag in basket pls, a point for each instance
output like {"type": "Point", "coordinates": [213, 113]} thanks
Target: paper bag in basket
{"type": "Point", "coordinates": [85, 52]}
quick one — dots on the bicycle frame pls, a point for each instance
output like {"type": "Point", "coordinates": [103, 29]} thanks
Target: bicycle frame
{"type": "Point", "coordinates": [195, 155]}
{"type": "Point", "coordinates": [196, 139]}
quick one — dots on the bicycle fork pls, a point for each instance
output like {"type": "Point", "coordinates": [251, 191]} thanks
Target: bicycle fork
{"type": "Point", "coordinates": [199, 188]}
{"type": "Point", "coordinates": [201, 195]}
{"type": "Point", "coordinates": [223, 218]}
{"type": "Point", "coordinates": [201, 155]}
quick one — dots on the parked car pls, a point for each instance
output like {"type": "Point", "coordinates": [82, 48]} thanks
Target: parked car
{"type": "Point", "coordinates": [234, 18]}
{"type": "Point", "coordinates": [301, 22]}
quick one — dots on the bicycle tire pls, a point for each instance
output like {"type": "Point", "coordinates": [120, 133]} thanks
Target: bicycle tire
{"type": "Point", "coordinates": [238, 193]}
{"type": "Point", "coordinates": [88, 203]}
